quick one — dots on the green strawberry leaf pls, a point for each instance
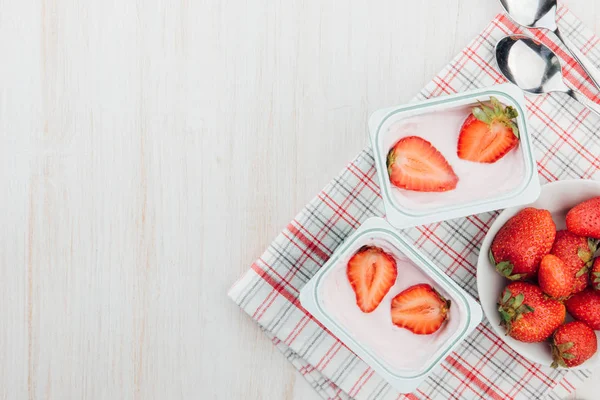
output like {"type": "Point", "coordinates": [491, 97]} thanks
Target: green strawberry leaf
{"type": "Point", "coordinates": [592, 244]}
{"type": "Point", "coordinates": [491, 257]}
{"type": "Point", "coordinates": [514, 128]}
{"type": "Point", "coordinates": [565, 346]}
{"type": "Point", "coordinates": [518, 316]}
{"type": "Point", "coordinates": [505, 316]}
{"type": "Point", "coordinates": [582, 272]}
{"type": "Point", "coordinates": [519, 300]}
{"type": "Point", "coordinates": [561, 362]}
{"type": "Point", "coordinates": [480, 114]}
{"type": "Point", "coordinates": [507, 295]}
{"type": "Point", "coordinates": [584, 255]}
{"type": "Point", "coordinates": [498, 107]}
{"type": "Point", "coordinates": [557, 360]}
{"type": "Point", "coordinates": [568, 356]}
{"type": "Point", "coordinates": [511, 112]}
{"type": "Point", "coordinates": [526, 308]}
{"type": "Point", "coordinates": [505, 268]}
{"type": "Point", "coordinates": [391, 158]}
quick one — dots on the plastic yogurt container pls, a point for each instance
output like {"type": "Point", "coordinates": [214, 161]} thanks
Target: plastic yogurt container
{"type": "Point", "coordinates": [401, 357]}
{"type": "Point", "coordinates": [508, 182]}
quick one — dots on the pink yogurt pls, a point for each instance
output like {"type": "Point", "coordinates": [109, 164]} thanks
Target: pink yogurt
{"type": "Point", "coordinates": [477, 181]}
{"type": "Point", "coordinates": [398, 347]}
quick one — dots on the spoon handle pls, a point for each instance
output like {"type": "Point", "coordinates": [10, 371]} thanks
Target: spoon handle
{"type": "Point", "coordinates": [585, 63]}
{"type": "Point", "coordinates": [590, 105]}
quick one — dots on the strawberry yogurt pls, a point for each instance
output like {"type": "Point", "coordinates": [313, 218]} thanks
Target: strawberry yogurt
{"type": "Point", "coordinates": [399, 348]}
{"type": "Point", "coordinates": [477, 181]}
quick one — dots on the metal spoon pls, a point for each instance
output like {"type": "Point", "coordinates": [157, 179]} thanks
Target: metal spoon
{"type": "Point", "coordinates": [535, 68]}
{"type": "Point", "coordinates": [542, 14]}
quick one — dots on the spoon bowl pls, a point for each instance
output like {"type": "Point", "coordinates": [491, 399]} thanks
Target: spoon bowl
{"type": "Point", "coordinates": [530, 65]}
{"type": "Point", "coordinates": [542, 14]}
{"type": "Point", "coordinates": [534, 68]}
{"type": "Point", "coordinates": [532, 13]}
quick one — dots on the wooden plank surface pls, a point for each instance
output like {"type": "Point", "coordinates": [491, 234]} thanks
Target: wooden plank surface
{"type": "Point", "coordinates": [150, 151]}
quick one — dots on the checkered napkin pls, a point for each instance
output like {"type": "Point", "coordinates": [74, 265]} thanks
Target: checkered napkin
{"type": "Point", "coordinates": [566, 137]}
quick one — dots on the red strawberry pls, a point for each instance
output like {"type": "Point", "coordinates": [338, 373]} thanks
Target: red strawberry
{"type": "Point", "coordinates": [595, 275]}
{"type": "Point", "coordinates": [527, 314]}
{"type": "Point", "coordinates": [555, 277]}
{"type": "Point", "coordinates": [420, 309]}
{"type": "Point", "coordinates": [573, 344]}
{"type": "Point", "coordinates": [371, 272]}
{"type": "Point", "coordinates": [585, 307]}
{"type": "Point", "coordinates": [584, 218]}
{"type": "Point", "coordinates": [414, 164]}
{"type": "Point", "coordinates": [488, 133]}
{"type": "Point", "coordinates": [520, 244]}
{"type": "Point", "coordinates": [576, 252]}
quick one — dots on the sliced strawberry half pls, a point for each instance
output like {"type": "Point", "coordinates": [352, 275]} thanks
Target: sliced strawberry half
{"type": "Point", "coordinates": [420, 309]}
{"type": "Point", "coordinates": [488, 133]}
{"type": "Point", "coordinates": [414, 164]}
{"type": "Point", "coordinates": [371, 272]}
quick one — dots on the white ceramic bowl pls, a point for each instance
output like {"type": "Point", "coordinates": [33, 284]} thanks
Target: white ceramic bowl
{"type": "Point", "coordinates": [558, 198]}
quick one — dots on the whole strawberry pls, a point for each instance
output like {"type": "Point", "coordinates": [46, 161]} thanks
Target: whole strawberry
{"type": "Point", "coordinates": [555, 277]}
{"type": "Point", "coordinates": [573, 344]}
{"type": "Point", "coordinates": [585, 307]}
{"type": "Point", "coordinates": [577, 252]}
{"type": "Point", "coordinates": [584, 218]}
{"type": "Point", "coordinates": [528, 315]}
{"type": "Point", "coordinates": [595, 275]}
{"type": "Point", "coordinates": [521, 243]}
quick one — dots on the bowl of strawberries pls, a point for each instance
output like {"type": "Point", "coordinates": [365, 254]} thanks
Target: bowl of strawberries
{"type": "Point", "coordinates": [538, 276]}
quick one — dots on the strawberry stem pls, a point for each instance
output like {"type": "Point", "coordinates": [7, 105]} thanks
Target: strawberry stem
{"type": "Point", "coordinates": [511, 309]}
{"type": "Point", "coordinates": [505, 268]}
{"type": "Point", "coordinates": [559, 354]}
{"type": "Point", "coordinates": [497, 113]}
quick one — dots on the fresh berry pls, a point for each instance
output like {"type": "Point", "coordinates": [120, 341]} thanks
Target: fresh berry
{"type": "Point", "coordinates": [585, 307]}
{"type": "Point", "coordinates": [573, 344]}
{"type": "Point", "coordinates": [371, 272]}
{"type": "Point", "coordinates": [528, 315]}
{"type": "Point", "coordinates": [414, 164]}
{"type": "Point", "coordinates": [595, 275]}
{"type": "Point", "coordinates": [488, 133]}
{"type": "Point", "coordinates": [584, 218]}
{"type": "Point", "coordinates": [555, 277]}
{"type": "Point", "coordinates": [420, 309]}
{"type": "Point", "coordinates": [520, 244]}
{"type": "Point", "coordinates": [577, 252]}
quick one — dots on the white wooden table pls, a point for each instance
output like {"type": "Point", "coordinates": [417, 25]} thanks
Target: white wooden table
{"type": "Point", "coordinates": [149, 152]}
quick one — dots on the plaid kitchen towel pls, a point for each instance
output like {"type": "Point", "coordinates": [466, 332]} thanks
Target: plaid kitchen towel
{"type": "Point", "coordinates": [566, 137]}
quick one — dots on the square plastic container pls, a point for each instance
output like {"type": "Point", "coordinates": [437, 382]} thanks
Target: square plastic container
{"type": "Point", "coordinates": [402, 358]}
{"type": "Point", "coordinates": [508, 182]}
